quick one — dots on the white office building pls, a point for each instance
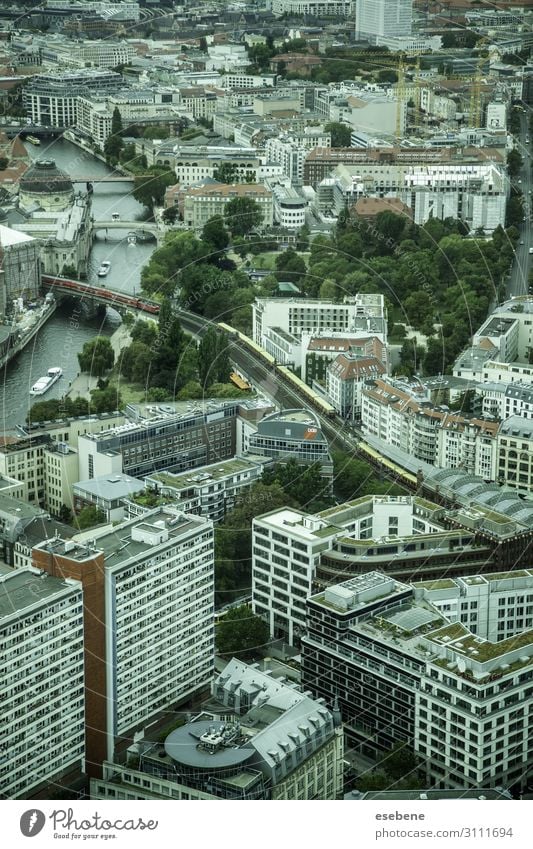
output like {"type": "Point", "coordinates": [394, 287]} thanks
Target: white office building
{"type": "Point", "coordinates": [312, 8]}
{"type": "Point", "coordinates": [378, 19]}
{"type": "Point", "coordinates": [363, 312]}
{"type": "Point", "coordinates": [444, 667]}
{"type": "Point", "coordinates": [42, 737]}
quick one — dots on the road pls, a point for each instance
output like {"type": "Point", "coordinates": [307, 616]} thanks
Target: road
{"type": "Point", "coordinates": [517, 283]}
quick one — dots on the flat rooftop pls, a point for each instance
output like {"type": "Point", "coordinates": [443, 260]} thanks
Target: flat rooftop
{"type": "Point", "coordinates": [117, 544]}
{"type": "Point", "coordinates": [24, 588]}
{"type": "Point", "coordinates": [205, 474]}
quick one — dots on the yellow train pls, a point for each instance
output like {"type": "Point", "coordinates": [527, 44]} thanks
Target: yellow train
{"type": "Point", "coordinates": [285, 374]}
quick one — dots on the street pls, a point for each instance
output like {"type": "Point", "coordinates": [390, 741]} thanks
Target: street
{"type": "Point", "coordinates": [517, 283]}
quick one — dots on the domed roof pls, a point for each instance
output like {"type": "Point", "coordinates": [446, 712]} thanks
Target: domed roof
{"type": "Point", "coordinates": [45, 178]}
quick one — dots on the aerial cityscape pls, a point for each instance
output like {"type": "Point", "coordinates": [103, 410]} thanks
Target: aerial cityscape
{"type": "Point", "coordinates": [266, 438]}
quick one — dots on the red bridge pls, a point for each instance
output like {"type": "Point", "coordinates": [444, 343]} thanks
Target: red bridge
{"type": "Point", "coordinates": [108, 297]}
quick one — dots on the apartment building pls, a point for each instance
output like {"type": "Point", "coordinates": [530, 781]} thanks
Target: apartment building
{"type": "Point", "coordinates": [406, 672]}
{"type": "Point", "coordinates": [203, 202]}
{"type": "Point", "coordinates": [148, 595]}
{"type": "Point", "coordinates": [362, 313]}
{"type": "Point", "coordinates": [319, 351]}
{"type": "Point", "coordinates": [42, 739]}
{"type": "Point", "coordinates": [345, 378]}
{"type": "Point", "coordinates": [60, 472]}
{"type": "Point", "coordinates": [401, 415]}
{"type": "Point", "coordinates": [290, 151]}
{"type": "Point", "coordinates": [274, 743]}
{"type": "Point", "coordinates": [515, 454]}
{"type": "Point", "coordinates": [506, 399]}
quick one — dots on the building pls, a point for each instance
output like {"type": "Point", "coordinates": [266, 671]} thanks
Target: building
{"type": "Point", "coordinates": [107, 493]}
{"type": "Point", "coordinates": [292, 435]}
{"type": "Point", "coordinates": [345, 378]}
{"type": "Point", "coordinates": [313, 8]}
{"type": "Point", "coordinates": [377, 19]}
{"type": "Point", "coordinates": [203, 202]}
{"type": "Point", "coordinates": [43, 712]}
{"type": "Point", "coordinates": [193, 165]}
{"type": "Point", "coordinates": [290, 150]}
{"type": "Point", "coordinates": [296, 553]}
{"type": "Point", "coordinates": [386, 164]}
{"type": "Point", "coordinates": [23, 459]}
{"type": "Point", "coordinates": [274, 743]}
{"type": "Point", "coordinates": [209, 491]}
{"type": "Point", "coordinates": [64, 236]}
{"type": "Point", "coordinates": [515, 454]}
{"type": "Point", "coordinates": [289, 205]}
{"type": "Point", "coordinates": [21, 268]}
{"type": "Point", "coordinates": [296, 316]}
{"type": "Point", "coordinates": [475, 194]}
{"type": "Point", "coordinates": [506, 399]}
{"type": "Point", "coordinates": [148, 600]}
{"type": "Point", "coordinates": [175, 438]}
{"type": "Point", "coordinates": [44, 186]}
{"type": "Point", "coordinates": [400, 414]}
{"type": "Point", "coordinates": [52, 98]}
{"type": "Point", "coordinates": [406, 669]}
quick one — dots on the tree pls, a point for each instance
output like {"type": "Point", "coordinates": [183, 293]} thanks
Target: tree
{"type": "Point", "coordinates": [88, 517]}
{"type": "Point", "coordinates": [514, 162]}
{"type": "Point", "coordinates": [240, 632]}
{"type": "Point", "coordinates": [106, 400]}
{"type": "Point", "coordinates": [400, 762]}
{"type": "Point", "coordinates": [213, 360]}
{"type": "Point", "coordinates": [215, 233]}
{"type": "Point", "coordinates": [150, 188]}
{"type": "Point", "coordinates": [170, 215]}
{"type": "Point", "coordinates": [227, 172]}
{"type": "Point", "coordinates": [114, 143]}
{"type": "Point", "coordinates": [242, 214]}
{"type": "Point", "coordinates": [290, 266]}
{"type": "Point", "coordinates": [341, 134]}
{"type": "Point", "coordinates": [97, 356]}
{"type": "Point", "coordinates": [302, 482]}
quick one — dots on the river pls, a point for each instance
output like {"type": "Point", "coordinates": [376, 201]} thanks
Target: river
{"type": "Point", "coordinates": [58, 342]}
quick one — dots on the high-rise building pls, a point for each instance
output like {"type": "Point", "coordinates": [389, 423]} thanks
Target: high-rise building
{"type": "Point", "coordinates": [41, 674]}
{"type": "Point", "coordinates": [148, 595]}
{"type": "Point", "coordinates": [375, 19]}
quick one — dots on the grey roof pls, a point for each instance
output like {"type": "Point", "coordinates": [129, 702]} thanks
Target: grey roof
{"type": "Point", "coordinates": [110, 487]}
{"type": "Point", "coordinates": [517, 426]}
{"type": "Point", "coordinates": [182, 745]}
{"type": "Point", "coordinates": [292, 424]}
{"type": "Point", "coordinates": [24, 588]}
{"type": "Point", "coordinates": [43, 528]}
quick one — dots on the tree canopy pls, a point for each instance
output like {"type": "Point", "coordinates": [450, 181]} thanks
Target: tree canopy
{"type": "Point", "coordinates": [97, 356]}
{"type": "Point", "coordinates": [240, 632]}
{"type": "Point", "coordinates": [341, 134]}
{"type": "Point", "coordinates": [242, 215]}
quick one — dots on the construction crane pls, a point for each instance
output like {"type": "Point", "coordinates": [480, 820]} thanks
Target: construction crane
{"type": "Point", "coordinates": [418, 93]}
{"type": "Point", "coordinates": [400, 95]}
{"type": "Point", "coordinates": [475, 111]}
